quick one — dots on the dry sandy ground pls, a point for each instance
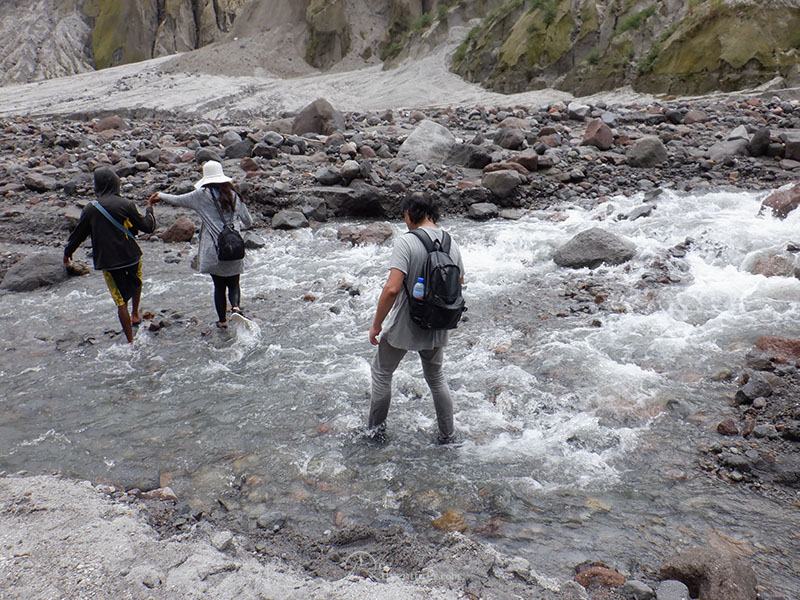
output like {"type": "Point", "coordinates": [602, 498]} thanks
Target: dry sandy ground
{"type": "Point", "coordinates": [64, 539]}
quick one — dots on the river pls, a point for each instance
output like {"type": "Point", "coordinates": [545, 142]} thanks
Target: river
{"type": "Point", "coordinates": [578, 428]}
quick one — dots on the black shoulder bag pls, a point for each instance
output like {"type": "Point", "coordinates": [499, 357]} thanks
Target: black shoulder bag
{"type": "Point", "coordinates": [230, 244]}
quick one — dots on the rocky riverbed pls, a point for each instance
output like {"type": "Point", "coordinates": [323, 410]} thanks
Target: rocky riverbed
{"type": "Point", "coordinates": [299, 169]}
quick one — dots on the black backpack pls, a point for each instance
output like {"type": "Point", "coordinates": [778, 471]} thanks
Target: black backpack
{"type": "Point", "coordinates": [230, 244]}
{"type": "Point", "coordinates": [442, 304]}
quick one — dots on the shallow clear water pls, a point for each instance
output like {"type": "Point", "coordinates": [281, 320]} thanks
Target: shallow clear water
{"type": "Point", "coordinates": [568, 448]}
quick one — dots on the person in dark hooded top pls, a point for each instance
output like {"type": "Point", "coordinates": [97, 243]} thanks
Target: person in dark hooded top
{"type": "Point", "coordinates": [113, 222]}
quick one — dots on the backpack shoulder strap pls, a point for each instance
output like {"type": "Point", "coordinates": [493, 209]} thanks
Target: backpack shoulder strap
{"type": "Point", "coordinates": [111, 219]}
{"type": "Point", "coordinates": [445, 245]}
{"type": "Point", "coordinates": [424, 238]}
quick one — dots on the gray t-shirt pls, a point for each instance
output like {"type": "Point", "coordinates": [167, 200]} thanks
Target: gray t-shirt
{"type": "Point", "coordinates": [409, 257]}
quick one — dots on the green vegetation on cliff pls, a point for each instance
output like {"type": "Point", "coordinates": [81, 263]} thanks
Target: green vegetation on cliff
{"type": "Point", "coordinates": [669, 46]}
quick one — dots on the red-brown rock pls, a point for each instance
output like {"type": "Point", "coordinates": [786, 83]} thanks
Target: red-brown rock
{"type": "Point", "coordinates": [182, 230]}
{"type": "Point", "coordinates": [599, 135]}
{"type": "Point", "coordinates": [727, 427]}
{"type": "Point", "coordinates": [779, 347]}
{"type": "Point", "coordinates": [593, 578]}
{"type": "Point", "coordinates": [782, 202]}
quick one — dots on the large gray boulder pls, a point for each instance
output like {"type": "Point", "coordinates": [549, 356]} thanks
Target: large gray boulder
{"type": "Point", "coordinates": [318, 117]}
{"type": "Point", "coordinates": [501, 183]}
{"type": "Point", "coordinates": [648, 151]}
{"type": "Point", "coordinates": [289, 219]}
{"type": "Point", "coordinates": [592, 248]}
{"type": "Point", "coordinates": [726, 150]}
{"type": "Point", "coordinates": [374, 233]}
{"type": "Point", "coordinates": [711, 574]}
{"type": "Point", "coordinates": [35, 271]}
{"type": "Point", "coordinates": [429, 143]}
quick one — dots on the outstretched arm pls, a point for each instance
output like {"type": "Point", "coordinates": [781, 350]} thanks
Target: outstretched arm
{"type": "Point", "coordinates": [78, 235]}
{"type": "Point", "coordinates": [388, 295]}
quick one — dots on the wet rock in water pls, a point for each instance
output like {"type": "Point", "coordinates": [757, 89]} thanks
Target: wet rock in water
{"type": "Point", "coordinates": [374, 233]}
{"type": "Point", "coordinates": [451, 520]}
{"type": "Point", "coordinates": [634, 589]}
{"type": "Point", "coordinates": [480, 211]}
{"type": "Point", "coordinates": [182, 230]}
{"type": "Point", "coordinates": [772, 264]}
{"type": "Point", "coordinates": [429, 143]}
{"type": "Point", "coordinates": [253, 241]}
{"type": "Point", "coordinates": [711, 574]}
{"type": "Point", "coordinates": [648, 151]}
{"type": "Point", "coordinates": [766, 430]}
{"type": "Point", "coordinates": [672, 590]}
{"type": "Point", "coordinates": [727, 427]}
{"type": "Point", "coordinates": [599, 577]}
{"type": "Point", "coordinates": [779, 347]}
{"type": "Point", "coordinates": [271, 521]}
{"type": "Point", "coordinates": [289, 219]}
{"type": "Point", "coordinates": [599, 135]}
{"type": "Point", "coordinates": [782, 202]}
{"type": "Point", "coordinates": [757, 386]}
{"type": "Point", "coordinates": [502, 183]}
{"type": "Point", "coordinates": [592, 248]}
{"type": "Point", "coordinates": [318, 117]}
{"type": "Point", "coordinates": [35, 271]}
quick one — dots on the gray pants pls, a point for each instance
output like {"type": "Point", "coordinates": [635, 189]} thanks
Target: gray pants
{"type": "Point", "coordinates": [383, 367]}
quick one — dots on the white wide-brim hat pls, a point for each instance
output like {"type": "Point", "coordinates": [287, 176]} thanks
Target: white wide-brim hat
{"type": "Point", "coordinates": [212, 173]}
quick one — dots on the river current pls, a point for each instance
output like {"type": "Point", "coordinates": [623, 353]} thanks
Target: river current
{"type": "Point", "coordinates": [578, 429]}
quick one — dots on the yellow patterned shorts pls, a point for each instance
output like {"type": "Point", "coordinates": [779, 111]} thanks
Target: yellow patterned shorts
{"type": "Point", "coordinates": [123, 283]}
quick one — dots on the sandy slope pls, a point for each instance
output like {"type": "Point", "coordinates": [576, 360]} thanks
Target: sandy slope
{"type": "Point", "coordinates": [152, 88]}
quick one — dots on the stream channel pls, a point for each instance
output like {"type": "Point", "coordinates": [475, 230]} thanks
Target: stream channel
{"type": "Point", "coordinates": [578, 422]}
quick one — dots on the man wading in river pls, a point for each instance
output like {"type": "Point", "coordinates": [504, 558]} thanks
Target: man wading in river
{"type": "Point", "coordinates": [113, 222]}
{"type": "Point", "coordinates": [402, 334]}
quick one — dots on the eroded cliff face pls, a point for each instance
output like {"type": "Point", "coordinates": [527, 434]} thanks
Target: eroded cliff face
{"type": "Point", "coordinates": [669, 46]}
{"type": "Point", "coordinates": [42, 39]}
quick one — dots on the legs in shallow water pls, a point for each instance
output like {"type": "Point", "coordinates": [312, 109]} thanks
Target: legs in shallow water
{"type": "Point", "coordinates": [125, 321]}
{"type": "Point", "coordinates": [222, 286]}
{"type": "Point", "coordinates": [383, 367]}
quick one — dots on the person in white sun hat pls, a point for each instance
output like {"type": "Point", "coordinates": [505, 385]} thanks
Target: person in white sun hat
{"type": "Point", "coordinates": [217, 201]}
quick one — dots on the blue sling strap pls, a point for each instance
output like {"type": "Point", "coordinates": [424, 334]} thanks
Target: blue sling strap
{"type": "Point", "coordinates": [113, 221]}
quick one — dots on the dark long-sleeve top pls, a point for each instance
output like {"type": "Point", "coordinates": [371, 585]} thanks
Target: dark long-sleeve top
{"type": "Point", "coordinates": [111, 248]}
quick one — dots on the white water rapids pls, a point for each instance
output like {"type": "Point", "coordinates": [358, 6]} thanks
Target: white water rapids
{"type": "Point", "coordinates": [567, 440]}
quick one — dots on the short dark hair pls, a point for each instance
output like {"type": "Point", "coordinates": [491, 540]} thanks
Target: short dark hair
{"type": "Point", "coordinates": [420, 205]}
